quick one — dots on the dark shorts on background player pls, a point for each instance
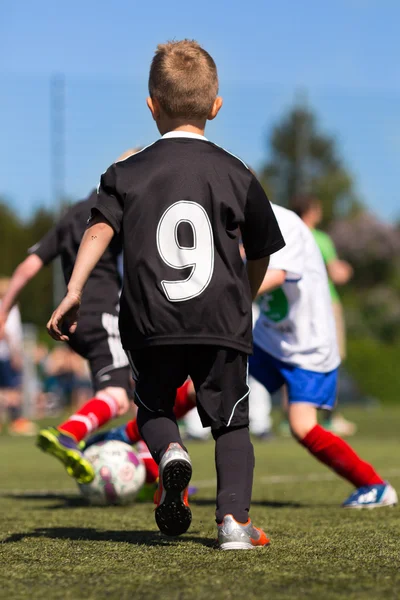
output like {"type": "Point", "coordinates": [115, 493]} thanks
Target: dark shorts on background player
{"type": "Point", "coordinates": [219, 376]}
{"type": "Point", "coordinates": [9, 377]}
{"type": "Point", "coordinates": [318, 389]}
{"type": "Point", "coordinates": [97, 340]}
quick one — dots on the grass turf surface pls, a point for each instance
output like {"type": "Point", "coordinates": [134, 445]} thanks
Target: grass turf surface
{"type": "Point", "coordinates": [54, 546]}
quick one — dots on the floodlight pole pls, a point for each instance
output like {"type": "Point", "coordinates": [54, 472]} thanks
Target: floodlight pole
{"type": "Point", "coordinates": [57, 167]}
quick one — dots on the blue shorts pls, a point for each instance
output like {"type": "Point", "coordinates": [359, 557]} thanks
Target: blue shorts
{"type": "Point", "coordinates": [9, 377]}
{"type": "Point", "coordinates": [319, 389]}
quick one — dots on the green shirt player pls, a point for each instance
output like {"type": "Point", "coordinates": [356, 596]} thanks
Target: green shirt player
{"type": "Point", "coordinates": [309, 209]}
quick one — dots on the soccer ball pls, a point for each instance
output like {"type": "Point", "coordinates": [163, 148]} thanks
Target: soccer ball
{"type": "Point", "coordinates": [120, 474]}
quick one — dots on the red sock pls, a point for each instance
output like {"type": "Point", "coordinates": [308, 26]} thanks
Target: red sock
{"type": "Point", "coordinates": [183, 404]}
{"type": "Point", "coordinates": [337, 454]}
{"type": "Point", "coordinates": [132, 431]}
{"type": "Point", "coordinates": [95, 413]}
{"type": "Point", "coordinates": [183, 401]}
{"type": "Point", "coordinates": [149, 462]}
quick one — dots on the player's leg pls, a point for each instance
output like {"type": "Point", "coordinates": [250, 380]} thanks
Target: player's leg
{"type": "Point", "coordinates": [185, 400]}
{"type": "Point", "coordinates": [64, 441]}
{"type": "Point", "coordinates": [106, 404]}
{"type": "Point", "coordinates": [220, 379]}
{"type": "Point", "coordinates": [309, 391]}
{"type": "Point", "coordinates": [259, 410]}
{"type": "Point", "coordinates": [110, 373]}
{"type": "Point", "coordinates": [111, 379]}
{"type": "Point", "coordinates": [158, 373]}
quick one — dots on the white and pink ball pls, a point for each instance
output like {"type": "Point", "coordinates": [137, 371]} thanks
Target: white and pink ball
{"type": "Point", "coordinates": [119, 474]}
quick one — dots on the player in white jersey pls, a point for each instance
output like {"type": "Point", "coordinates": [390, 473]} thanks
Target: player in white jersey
{"type": "Point", "coordinates": [295, 345]}
{"type": "Point", "coordinates": [11, 347]}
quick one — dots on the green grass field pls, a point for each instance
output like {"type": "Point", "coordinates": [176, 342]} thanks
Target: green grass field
{"type": "Point", "coordinates": [53, 546]}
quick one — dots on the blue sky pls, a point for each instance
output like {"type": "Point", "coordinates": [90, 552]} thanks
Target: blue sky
{"type": "Point", "coordinates": [345, 54]}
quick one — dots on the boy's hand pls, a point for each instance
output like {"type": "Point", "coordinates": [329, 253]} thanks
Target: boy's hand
{"type": "Point", "coordinates": [65, 317]}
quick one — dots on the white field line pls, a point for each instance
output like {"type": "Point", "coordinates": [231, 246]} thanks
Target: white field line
{"type": "Point", "coordinates": [279, 479]}
{"type": "Point", "coordinates": [209, 483]}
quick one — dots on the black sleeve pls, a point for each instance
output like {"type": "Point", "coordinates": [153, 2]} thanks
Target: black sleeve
{"type": "Point", "coordinates": [260, 231]}
{"type": "Point", "coordinates": [109, 203]}
{"type": "Point", "coordinates": [48, 247]}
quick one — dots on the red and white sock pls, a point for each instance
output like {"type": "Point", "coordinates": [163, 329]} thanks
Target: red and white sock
{"type": "Point", "coordinates": [149, 462]}
{"type": "Point", "coordinates": [183, 404]}
{"type": "Point", "coordinates": [339, 456]}
{"type": "Point", "coordinates": [95, 413]}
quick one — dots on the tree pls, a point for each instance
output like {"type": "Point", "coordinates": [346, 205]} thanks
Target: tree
{"type": "Point", "coordinates": [12, 239]}
{"type": "Point", "coordinates": [17, 237]}
{"type": "Point", "coordinates": [37, 298]}
{"type": "Point", "coordinates": [305, 160]}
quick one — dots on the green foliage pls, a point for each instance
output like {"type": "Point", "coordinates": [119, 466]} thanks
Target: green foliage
{"type": "Point", "coordinates": [374, 366]}
{"type": "Point", "coordinates": [17, 236]}
{"type": "Point", "coordinates": [12, 240]}
{"type": "Point", "coordinates": [305, 160]}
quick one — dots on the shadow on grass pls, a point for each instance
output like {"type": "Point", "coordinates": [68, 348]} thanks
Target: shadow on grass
{"type": "Point", "coordinates": [88, 534]}
{"type": "Point", "coordinates": [65, 500]}
{"type": "Point", "coordinates": [74, 501]}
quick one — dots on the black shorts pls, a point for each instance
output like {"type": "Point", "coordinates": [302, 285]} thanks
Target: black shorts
{"type": "Point", "coordinates": [97, 340]}
{"type": "Point", "coordinates": [219, 376]}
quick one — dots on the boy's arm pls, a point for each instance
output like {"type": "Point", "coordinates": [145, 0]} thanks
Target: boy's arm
{"type": "Point", "coordinates": [340, 271]}
{"type": "Point", "coordinates": [94, 243]}
{"type": "Point", "coordinates": [274, 278]}
{"type": "Point", "coordinates": [256, 270]}
{"type": "Point", "coordinates": [21, 276]}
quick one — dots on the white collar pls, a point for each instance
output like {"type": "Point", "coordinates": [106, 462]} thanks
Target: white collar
{"type": "Point", "coordinates": [184, 134]}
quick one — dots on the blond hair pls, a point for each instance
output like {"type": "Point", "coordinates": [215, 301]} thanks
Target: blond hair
{"type": "Point", "coordinates": [184, 80]}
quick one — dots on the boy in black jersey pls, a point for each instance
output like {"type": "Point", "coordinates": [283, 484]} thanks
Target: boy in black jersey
{"type": "Point", "coordinates": [180, 206]}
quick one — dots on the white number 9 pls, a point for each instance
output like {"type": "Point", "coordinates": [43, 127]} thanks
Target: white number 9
{"type": "Point", "coordinates": [200, 256]}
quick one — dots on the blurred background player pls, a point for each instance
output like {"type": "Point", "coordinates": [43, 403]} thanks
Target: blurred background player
{"type": "Point", "coordinates": [310, 210]}
{"type": "Point", "coordinates": [295, 345]}
{"type": "Point", "coordinates": [181, 202]}
{"type": "Point", "coordinates": [11, 362]}
{"type": "Point", "coordinates": [97, 338]}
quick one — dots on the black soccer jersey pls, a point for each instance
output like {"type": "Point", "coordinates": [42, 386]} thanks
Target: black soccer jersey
{"type": "Point", "coordinates": [181, 205]}
{"type": "Point", "coordinates": [104, 284]}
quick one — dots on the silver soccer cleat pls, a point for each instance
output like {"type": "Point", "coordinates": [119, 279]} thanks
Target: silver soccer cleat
{"type": "Point", "coordinates": [173, 515]}
{"type": "Point", "coordinates": [240, 536]}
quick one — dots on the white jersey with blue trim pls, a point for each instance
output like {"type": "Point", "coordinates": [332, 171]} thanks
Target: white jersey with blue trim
{"type": "Point", "coordinates": [296, 322]}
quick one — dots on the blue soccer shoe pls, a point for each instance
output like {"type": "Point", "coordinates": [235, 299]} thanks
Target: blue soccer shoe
{"type": "Point", "coordinates": [372, 496]}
